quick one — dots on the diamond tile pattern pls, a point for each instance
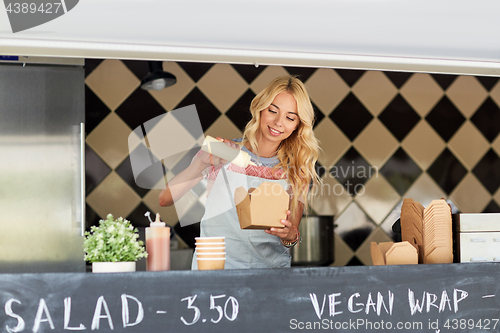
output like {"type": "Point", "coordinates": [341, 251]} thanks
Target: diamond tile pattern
{"type": "Point", "coordinates": [375, 143]}
{"type": "Point", "coordinates": [224, 128]}
{"type": "Point", "coordinates": [354, 262]}
{"type": "Point", "coordinates": [303, 73]}
{"type": "Point", "coordinates": [371, 120]}
{"type": "Point", "coordinates": [95, 110]}
{"type": "Point", "coordinates": [137, 218]}
{"type": "Point", "coordinates": [352, 171]}
{"type": "Point", "coordinates": [249, 73]}
{"type": "Point", "coordinates": [398, 78]}
{"type": "Point", "coordinates": [487, 119]}
{"type": "Point", "coordinates": [138, 108]}
{"type": "Point", "coordinates": [267, 75]}
{"type": "Point", "coordinates": [195, 70]}
{"type": "Point", "coordinates": [487, 171]}
{"type": "Point", "coordinates": [467, 94]}
{"type": "Point", "coordinates": [343, 253]}
{"type": "Point", "coordinates": [140, 68]}
{"type": "Point", "coordinates": [496, 145]}
{"type": "Point", "coordinates": [330, 197]}
{"type": "Point", "coordinates": [487, 82]}
{"type": "Point", "coordinates": [207, 112]}
{"type": "Point", "coordinates": [351, 116]}
{"type": "Point", "coordinates": [318, 115]}
{"type": "Point", "coordinates": [422, 92]}
{"type": "Point", "coordinates": [492, 207]}
{"type": "Point", "coordinates": [354, 226]}
{"type": "Point", "coordinates": [445, 118]}
{"type": "Point", "coordinates": [113, 82]}
{"type": "Point", "coordinates": [467, 203]}
{"type": "Point", "coordinates": [377, 198]}
{"type": "Point", "coordinates": [447, 171]}
{"type": "Point", "coordinates": [95, 169]}
{"type": "Point", "coordinates": [92, 218]}
{"type": "Point", "coordinates": [444, 80]}
{"type": "Point", "coordinates": [326, 89]}
{"type": "Point", "coordinates": [495, 92]}
{"type": "Point", "coordinates": [375, 91]}
{"type": "Point", "coordinates": [423, 144]}
{"type": "Point", "coordinates": [113, 149]}
{"type": "Point", "coordinates": [239, 113]}
{"type": "Point", "coordinates": [400, 171]}
{"type": "Point", "coordinates": [90, 65]}
{"type": "Point", "coordinates": [335, 143]}
{"type": "Point", "coordinates": [125, 171]}
{"type": "Point", "coordinates": [496, 197]}
{"type": "Point", "coordinates": [399, 117]}
{"type": "Point", "coordinates": [350, 76]}
{"type": "Point", "coordinates": [424, 190]}
{"type": "Point", "coordinates": [223, 86]}
{"type": "Point", "coordinates": [468, 145]}
{"type": "Point", "coordinates": [113, 196]}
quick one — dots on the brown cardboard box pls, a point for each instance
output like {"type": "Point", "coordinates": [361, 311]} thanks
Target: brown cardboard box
{"type": "Point", "coordinates": [412, 215]}
{"type": "Point", "coordinates": [429, 230]}
{"type": "Point", "coordinates": [262, 207]}
{"type": "Point", "coordinates": [389, 253]}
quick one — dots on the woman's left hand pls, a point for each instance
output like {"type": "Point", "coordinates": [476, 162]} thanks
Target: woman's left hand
{"type": "Point", "coordinates": [286, 233]}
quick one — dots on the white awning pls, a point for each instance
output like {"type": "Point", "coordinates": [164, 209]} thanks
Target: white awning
{"type": "Point", "coordinates": [445, 36]}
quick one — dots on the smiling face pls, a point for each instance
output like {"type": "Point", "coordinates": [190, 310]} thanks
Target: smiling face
{"type": "Point", "coordinates": [280, 119]}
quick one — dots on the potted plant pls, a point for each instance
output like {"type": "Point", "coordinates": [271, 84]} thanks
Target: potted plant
{"type": "Point", "coordinates": [113, 246]}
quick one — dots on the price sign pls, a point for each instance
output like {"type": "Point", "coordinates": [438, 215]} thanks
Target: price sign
{"type": "Point", "coordinates": [417, 298]}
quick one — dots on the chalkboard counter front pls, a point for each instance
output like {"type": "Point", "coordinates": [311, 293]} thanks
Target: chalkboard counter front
{"type": "Point", "coordinates": [413, 298]}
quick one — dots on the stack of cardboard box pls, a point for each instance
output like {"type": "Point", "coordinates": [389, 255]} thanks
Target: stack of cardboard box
{"type": "Point", "coordinates": [426, 236]}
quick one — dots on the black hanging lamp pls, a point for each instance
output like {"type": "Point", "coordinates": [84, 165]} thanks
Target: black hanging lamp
{"type": "Point", "coordinates": [157, 79]}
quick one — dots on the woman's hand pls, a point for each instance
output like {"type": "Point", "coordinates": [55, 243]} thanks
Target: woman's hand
{"type": "Point", "coordinates": [178, 186]}
{"type": "Point", "coordinates": [287, 233]}
{"type": "Point", "coordinates": [207, 161]}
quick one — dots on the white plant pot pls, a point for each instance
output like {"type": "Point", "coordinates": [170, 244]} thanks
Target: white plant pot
{"type": "Point", "coordinates": [113, 267]}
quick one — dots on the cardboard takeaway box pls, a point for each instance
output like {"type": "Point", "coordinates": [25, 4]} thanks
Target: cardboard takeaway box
{"type": "Point", "coordinates": [426, 236]}
{"type": "Point", "coordinates": [429, 230]}
{"type": "Point", "coordinates": [389, 253]}
{"type": "Point", "coordinates": [262, 207]}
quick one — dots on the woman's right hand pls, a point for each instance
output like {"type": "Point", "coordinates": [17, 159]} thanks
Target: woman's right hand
{"type": "Point", "coordinates": [205, 159]}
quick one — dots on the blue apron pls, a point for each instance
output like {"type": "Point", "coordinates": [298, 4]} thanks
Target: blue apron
{"type": "Point", "coordinates": [244, 248]}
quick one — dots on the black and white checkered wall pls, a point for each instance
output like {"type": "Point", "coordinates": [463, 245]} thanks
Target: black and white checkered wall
{"type": "Point", "coordinates": [384, 136]}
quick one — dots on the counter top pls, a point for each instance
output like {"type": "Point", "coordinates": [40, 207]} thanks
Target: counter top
{"type": "Point", "coordinates": [271, 300]}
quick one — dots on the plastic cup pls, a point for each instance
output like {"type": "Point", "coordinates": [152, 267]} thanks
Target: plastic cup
{"type": "Point", "coordinates": [209, 264]}
{"type": "Point", "coordinates": [211, 255]}
{"type": "Point", "coordinates": [210, 249]}
{"type": "Point", "coordinates": [210, 239]}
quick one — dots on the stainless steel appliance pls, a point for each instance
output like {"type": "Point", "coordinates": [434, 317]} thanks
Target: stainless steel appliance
{"type": "Point", "coordinates": [317, 247]}
{"type": "Point", "coordinates": [41, 167]}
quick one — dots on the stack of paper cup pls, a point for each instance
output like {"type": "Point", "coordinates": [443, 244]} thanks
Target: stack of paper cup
{"type": "Point", "coordinates": [210, 252]}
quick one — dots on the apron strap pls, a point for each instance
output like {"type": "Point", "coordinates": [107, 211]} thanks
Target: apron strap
{"type": "Point", "coordinates": [223, 170]}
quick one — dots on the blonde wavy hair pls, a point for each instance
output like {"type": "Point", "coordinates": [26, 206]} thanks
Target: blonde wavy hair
{"type": "Point", "coordinates": [298, 153]}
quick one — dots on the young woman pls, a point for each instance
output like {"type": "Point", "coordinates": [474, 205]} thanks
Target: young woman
{"type": "Point", "coordinates": [281, 142]}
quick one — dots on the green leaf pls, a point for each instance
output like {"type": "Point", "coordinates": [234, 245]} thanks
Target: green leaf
{"type": "Point", "coordinates": [113, 240]}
